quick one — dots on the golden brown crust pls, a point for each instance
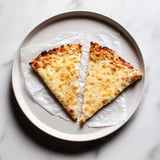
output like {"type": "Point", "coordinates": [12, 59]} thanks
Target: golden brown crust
{"type": "Point", "coordinates": [98, 53]}
{"type": "Point", "coordinates": [63, 50]}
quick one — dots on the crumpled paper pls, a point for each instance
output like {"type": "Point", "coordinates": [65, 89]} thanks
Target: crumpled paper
{"type": "Point", "coordinates": [112, 114]}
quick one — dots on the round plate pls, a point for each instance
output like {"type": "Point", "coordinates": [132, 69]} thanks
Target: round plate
{"type": "Point", "coordinates": [67, 22]}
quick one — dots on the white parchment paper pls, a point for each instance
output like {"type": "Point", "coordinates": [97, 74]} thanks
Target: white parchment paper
{"type": "Point", "coordinates": [112, 114]}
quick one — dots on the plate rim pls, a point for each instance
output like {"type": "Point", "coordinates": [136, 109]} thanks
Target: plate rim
{"type": "Point", "coordinates": [67, 136]}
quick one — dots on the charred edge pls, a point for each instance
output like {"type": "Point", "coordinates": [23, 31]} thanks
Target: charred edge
{"type": "Point", "coordinates": [127, 63]}
{"type": "Point", "coordinates": [46, 52]}
{"type": "Point", "coordinates": [55, 49]}
{"type": "Point", "coordinates": [69, 45]}
{"type": "Point", "coordinates": [139, 77]}
{"type": "Point", "coordinates": [93, 43]}
{"type": "Point", "coordinates": [43, 52]}
{"type": "Point", "coordinates": [102, 47]}
{"type": "Point", "coordinates": [121, 59]}
{"type": "Point", "coordinates": [30, 63]}
{"type": "Point", "coordinates": [107, 49]}
{"type": "Point", "coordinates": [52, 50]}
{"type": "Point", "coordinates": [81, 123]}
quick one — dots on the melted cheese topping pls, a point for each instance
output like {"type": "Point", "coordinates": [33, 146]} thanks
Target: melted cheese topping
{"type": "Point", "coordinates": [59, 69]}
{"type": "Point", "coordinates": [108, 75]}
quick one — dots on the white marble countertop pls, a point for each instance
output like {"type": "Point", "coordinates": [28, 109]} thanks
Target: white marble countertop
{"type": "Point", "coordinates": [139, 139]}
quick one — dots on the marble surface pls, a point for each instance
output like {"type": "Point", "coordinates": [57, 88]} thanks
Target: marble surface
{"type": "Point", "coordinates": [139, 139]}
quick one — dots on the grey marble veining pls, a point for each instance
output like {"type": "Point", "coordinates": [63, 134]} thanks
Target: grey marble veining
{"type": "Point", "coordinates": [76, 4]}
{"type": "Point", "coordinates": [158, 106]}
{"type": "Point", "coordinates": [154, 153]}
{"type": "Point", "coordinates": [138, 140]}
{"type": "Point", "coordinates": [3, 133]}
{"type": "Point", "coordinates": [7, 64]}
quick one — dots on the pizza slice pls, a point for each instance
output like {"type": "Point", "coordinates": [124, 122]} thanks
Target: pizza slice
{"type": "Point", "coordinates": [59, 70]}
{"type": "Point", "coordinates": [108, 75]}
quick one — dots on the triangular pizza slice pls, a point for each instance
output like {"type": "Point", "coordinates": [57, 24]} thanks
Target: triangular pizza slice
{"type": "Point", "coordinates": [108, 75]}
{"type": "Point", "coordinates": [59, 70]}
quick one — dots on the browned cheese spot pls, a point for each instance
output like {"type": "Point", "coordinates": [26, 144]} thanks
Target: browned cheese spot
{"type": "Point", "coordinates": [86, 109]}
{"type": "Point", "coordinates": [86, 90]}
{"type": "Point", "coordinates": [123, 84]}
{"type": "Point", "coordinates": [57, 69]}
{"type": "Point", "coordinates": [82, 121]}
{"type": "Point", "coordinates": [71, 111]}
{"type": "Point", "coordinates": [99, 78]}
{"type": "Point", "coordinates": [92, 83]}
{"type": "Point", "coordinates": [60, 86]}
{"type": "Point", "coordinates": [64, 60]}
{"type": "Point", "coordinates": [36, 65]}
{"type": "Point", "coordinates": [92, 111]}
{"type": "Point", "coordinates": [75, 88]}
{"type": "Point", "coordinates": [108, 80]}
{"type": "Point", "coordinates": [104, 101]}
{"type": "Point", "coordinates": [66, 105]}
{"type": "Point", "coordinates": [116, 92]}
{"type": "Point", "coordinates": [68, 68]}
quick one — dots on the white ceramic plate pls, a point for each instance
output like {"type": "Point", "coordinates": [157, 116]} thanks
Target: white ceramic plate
{"type": "Point", "coordinates": [67, 22]}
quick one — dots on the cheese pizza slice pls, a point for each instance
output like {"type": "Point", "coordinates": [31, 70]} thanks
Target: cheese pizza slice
{"type": "Point", "coordinates": [59, 70]}
{"type": "Point", "coordinates": [108, 75]}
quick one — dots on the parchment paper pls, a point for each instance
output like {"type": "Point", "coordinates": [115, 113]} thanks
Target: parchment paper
{"type": "Point", "coordinates": [112, 114]}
